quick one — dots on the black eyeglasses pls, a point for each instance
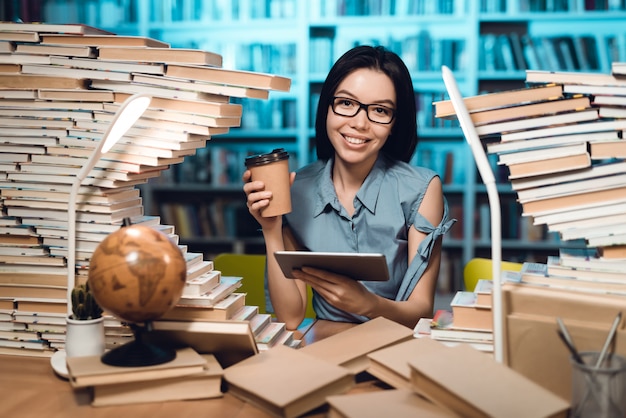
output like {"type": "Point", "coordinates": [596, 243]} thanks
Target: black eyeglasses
{"type": "Point", "coordinates": [344, 106]}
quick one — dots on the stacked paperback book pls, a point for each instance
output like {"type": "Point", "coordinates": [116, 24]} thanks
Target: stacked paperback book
{"type": "Point", "coordinates": [430, 378]}
{"type": "Point", "coordinates": [469, 322]}
{"type": "Point", "coordinates": [60, 86]}
{"type": "Point", "coordinates": [189, 376]}
{"type": "Point", "coordinates": [562, 142]}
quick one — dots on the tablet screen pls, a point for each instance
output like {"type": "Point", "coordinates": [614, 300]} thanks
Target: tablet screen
{"type": "Point", "coordinates": [359, 266]}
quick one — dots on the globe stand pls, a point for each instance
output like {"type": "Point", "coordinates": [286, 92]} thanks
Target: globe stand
{"type": "Point", "coordinates": [138, 353]}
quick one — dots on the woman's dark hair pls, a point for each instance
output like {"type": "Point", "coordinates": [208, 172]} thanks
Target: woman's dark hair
{"type": "Point", "coordinates": [402, 141]}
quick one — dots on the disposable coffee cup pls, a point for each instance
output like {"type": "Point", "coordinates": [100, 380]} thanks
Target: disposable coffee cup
{"type": "Point", "coordinates": [273, 170]}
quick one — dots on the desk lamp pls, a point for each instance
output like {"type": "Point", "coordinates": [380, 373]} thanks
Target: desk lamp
{"type": "Point", "coordinates": [125, 117]}
{"type": "Point", "coordinates": [484, 168]}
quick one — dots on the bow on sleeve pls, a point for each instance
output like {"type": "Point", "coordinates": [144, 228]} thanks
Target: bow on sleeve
{"type": "Point", "coordinates": [420, 260]}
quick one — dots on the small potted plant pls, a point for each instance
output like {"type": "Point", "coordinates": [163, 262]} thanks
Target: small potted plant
{"type": "Point", "coordinates": [84, 305]}
{"type": "Point", "coordinates": [85, 326]}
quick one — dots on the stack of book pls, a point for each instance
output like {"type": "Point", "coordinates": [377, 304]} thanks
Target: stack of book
{"type": "Point", "coordinates": [188, 376]}
{"type": "Point", "coordinates": [470, 320]}
{"type": "Point", "coordinates": [561, 140]}
{"type": "Point", "coordinates": [60, 86]}
{"type": "Point", "coordinates": [213, 297]}
{"type": "Point", "coordinates": [429, 377]}
{"type": "Point", "coordinates": [576, 270]}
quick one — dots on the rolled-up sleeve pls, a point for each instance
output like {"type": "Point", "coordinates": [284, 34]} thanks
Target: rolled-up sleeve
{"type": "Point", "coordinates": [422, 257]}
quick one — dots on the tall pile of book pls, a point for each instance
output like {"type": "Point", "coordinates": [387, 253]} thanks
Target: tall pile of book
{"type": "Point", "coordinates": [60, 86]}
{"type": "Point", "coordinates": [562, 141]}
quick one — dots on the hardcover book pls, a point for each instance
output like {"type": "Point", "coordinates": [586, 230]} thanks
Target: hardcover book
{"type": "Point", "coordinates": [349, 348]}
{"type": "Point", "coordinates": [396, 403]}
{"type": "Point", "coordinates": [391, 364]}
{"type": "Point", "coordinates": [91, 371]}
{"type": "Point", "coordinates": [469, 315]}
{"type": "Point", "coordinates": [203, 385]}
{"type": "Point", "coordinates": [229, 340]}
{"type": "Point", "coordinates": [447, 377]}
{"type": "Point", "coordinates": [267, 381]}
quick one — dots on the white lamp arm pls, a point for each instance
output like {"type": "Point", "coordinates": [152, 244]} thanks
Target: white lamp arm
{"type": "Point", "coordinates": [125, 117]}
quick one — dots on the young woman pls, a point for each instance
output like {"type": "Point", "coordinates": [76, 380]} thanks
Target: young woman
{"type": "Point", "coordinates": [361, 195]}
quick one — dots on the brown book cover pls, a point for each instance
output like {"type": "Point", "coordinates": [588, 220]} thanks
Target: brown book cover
{"type": "Point", "coordinates": [391, 364]}
{"type": "Point", "coordinates": [70, 72]}
{"type": "Point", "coordinates": [153, 90]}
{"type": "Point", "coordinates": [42, 305]}
{"type": "Point", "coordinates": [33, 291]}
{"type": "Point", "coordinates": [164, 55]}
{"type": "Point", "coordinates": [203, 385]}
{"type": "Point", "coordinates": [349, 348]}
{"type": "Point", "coordinates": [99, 40]}
{"type": "Point", "coordinates": [549, 165]}
{"type": "Point", "coordinates": [105, 196]}
{"type": "Point", "coordinates": [613, 251]}
{"type": "Point", "coordinates": [538, 122]}
{"type": "Point", "coordinates": [226, 286]}
{"type": "Point", "coordinates": [19, 36]}
{"type": "Point", "coordinates": [531, 155]}
{"type": "Point", "coordinates": [445, 108]}
{"type": "Point", "coordinates": [42, 27]}
{"type": "Point", "coordinates": [229, 340]}
{"type": "Point", "coordinates": [468, 315]}
{"type": "Point", "coordinates": [564, 129]}
{"type": "Point", "coordinates": [67, 50]}
{"type": "Point", "coordinates": [270, 381]}
{"type": "Point", "coordinates": [448, 377]}
{"type": "Point", "coordinates": [193, 106]}
{"type": "Point", "coordinates": [396, 403]}
{"type": "Point", "coordinates": [573, 77]}
{"type": "Point", "coordinates": [91, 371]}
{"type": "Point", "coordinates": [33, 275]}
{"type": "Point", "coordinates": [232, 77]}
{"type": "Point", "coordinates": [530, 110]}
{"type": "Point", "coordinates": [202, 87]}
{"type": "Point", "coordinates": [551, 141]}
{"type": "Point", "coordinates": [570, 202]}
{"type": "Point", "coordinates": [77, 95]}
{"type": "Point", "coordinates": [222, 310]}
{"type": "Point", "coordinates": [601, 150]}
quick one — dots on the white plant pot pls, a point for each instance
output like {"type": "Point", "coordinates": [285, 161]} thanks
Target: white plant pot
{"type": "Point", "coordinates": [84, 337]}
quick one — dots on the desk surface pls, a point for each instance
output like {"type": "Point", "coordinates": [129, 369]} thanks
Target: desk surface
{"type": "Point", "coordinates": [30, 388]}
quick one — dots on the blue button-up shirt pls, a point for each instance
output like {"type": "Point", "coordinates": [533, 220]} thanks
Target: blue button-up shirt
{"type": "Point", "coordinates": [386, 206]}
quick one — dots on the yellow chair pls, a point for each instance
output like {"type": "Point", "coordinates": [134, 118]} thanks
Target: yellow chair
{"type": "Point", "coordinates": [252, 268]}
{"type": "Point", "coordinates": [481, 268]}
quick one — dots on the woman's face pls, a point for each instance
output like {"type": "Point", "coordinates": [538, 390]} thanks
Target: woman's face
{"type": "Point", "coordinates": [357, 139]}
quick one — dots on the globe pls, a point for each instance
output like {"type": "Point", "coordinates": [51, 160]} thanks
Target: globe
{"type": "Point", "coordinates": [137, 273]}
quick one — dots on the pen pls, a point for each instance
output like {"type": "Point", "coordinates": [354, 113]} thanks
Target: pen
{"type": "Point", "coordinates": [609, 339]}
{"type": "Point", "coordinates": [562, 331]}
{"type": "Point", "coordinates": [571, 348]}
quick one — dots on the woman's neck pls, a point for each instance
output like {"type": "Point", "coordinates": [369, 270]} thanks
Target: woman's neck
{"type": "Point", "coordinates": [348, 179]}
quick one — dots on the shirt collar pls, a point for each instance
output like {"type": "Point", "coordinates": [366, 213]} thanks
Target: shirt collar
{"type": "Point", "coordinates": [367, 194]}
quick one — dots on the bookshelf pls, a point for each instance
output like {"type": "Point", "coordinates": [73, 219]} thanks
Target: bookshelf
{"type": "Point", "coordinates": [488, 43]}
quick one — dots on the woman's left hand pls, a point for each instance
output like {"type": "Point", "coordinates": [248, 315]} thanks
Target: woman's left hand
{"type": "Point", "coordinates": [340, 291]}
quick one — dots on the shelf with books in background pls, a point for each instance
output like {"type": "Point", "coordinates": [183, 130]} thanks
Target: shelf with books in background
{"type": "Point", "coordinates": [301, 40]}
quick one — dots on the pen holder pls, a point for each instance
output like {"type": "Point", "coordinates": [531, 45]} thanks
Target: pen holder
{"type": "Point", "coordinates": [599, 392]}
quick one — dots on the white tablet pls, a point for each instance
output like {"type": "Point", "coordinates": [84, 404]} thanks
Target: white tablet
{"type": "Point", "coordinates": [359, 266]}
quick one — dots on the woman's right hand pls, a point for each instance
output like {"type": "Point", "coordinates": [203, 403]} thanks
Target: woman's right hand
{"type": "Point", "coordinates": [257, 199]}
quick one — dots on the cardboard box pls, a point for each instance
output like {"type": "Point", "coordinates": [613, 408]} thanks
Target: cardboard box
{"type": "Point", "coordinates": [531, 343]}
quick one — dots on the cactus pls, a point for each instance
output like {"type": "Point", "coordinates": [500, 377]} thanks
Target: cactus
{"type": "Point", "coordinates": [84, 305]}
